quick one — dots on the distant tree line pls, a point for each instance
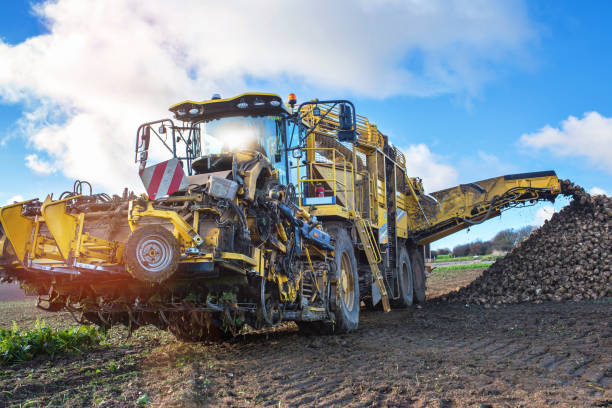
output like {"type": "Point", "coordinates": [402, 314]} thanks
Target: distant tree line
{"type": "Point", "coordinates": [504, 241]}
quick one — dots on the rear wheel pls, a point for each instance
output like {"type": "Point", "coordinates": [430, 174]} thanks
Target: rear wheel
{"type": "Point", "coordinates": [418, 272]}
{"type": "Point", "coordinates": [151, 254]}
{"type": "Point", "coordinates": [405, 281]}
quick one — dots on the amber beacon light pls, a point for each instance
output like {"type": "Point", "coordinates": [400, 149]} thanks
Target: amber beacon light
{"type": "Point", "coordinates": [292, 99]}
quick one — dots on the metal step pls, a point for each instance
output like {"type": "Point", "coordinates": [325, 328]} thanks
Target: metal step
{"type": "Point", "coordinates": [373, 254]}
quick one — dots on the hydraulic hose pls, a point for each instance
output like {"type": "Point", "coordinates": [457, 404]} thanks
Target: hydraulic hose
{"type": "Point", "coordinates": [243, 220]}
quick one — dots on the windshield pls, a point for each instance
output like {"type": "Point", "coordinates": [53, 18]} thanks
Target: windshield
{"type": "Point", "coordinates": [263, 134]}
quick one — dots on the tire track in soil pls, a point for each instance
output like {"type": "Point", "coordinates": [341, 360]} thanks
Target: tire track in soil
{"type": "Point", "coordinates": [441, 355]}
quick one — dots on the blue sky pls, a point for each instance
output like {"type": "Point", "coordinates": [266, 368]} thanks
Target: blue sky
{"type": "Point", "coordinates": [475, 95]}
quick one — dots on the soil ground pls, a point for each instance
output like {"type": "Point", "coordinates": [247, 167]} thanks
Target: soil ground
{"type": "Point", "coordinates": [437, 355]}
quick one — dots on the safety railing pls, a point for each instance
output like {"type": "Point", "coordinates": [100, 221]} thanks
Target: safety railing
{"type": "Point", "coordinates": [339, 166]}
{"type": "Point", "coordinates": [366, 132]}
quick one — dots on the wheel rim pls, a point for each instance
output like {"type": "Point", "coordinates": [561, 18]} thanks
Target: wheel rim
{"type": "Point", "coordinates": [347, 283]}
{"type": "Point", "coordinates": [154, 253]}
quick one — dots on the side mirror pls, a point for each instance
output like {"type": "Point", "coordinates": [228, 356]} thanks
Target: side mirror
{"type": "Point", "coordinates": [146, 138]}
{"type": "Point", "coordinates": [277, 157]}
{"type": "Point", "coordinates": [144, 147]}
{"type": "Point", "coordinates": [346, 133]}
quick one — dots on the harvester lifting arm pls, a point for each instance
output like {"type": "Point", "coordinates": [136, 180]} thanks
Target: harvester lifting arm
{"type": "Point", "coordinates": [465, 205]}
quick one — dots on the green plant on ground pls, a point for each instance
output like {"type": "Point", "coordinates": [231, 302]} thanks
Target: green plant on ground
{"type": "Point", "coordinates": [464, 266]}
{"type": "Point", "coordinates": [17, 345]}
{"type": "Point", "coordinates": [444, 257]}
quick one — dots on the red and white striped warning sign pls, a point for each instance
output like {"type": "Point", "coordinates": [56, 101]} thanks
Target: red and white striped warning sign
{"type": "Point", "coordinates": [164, 178]}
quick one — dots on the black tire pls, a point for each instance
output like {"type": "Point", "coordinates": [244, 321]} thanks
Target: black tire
{"type": "Point", "coordinates": [347, 288]}
{"type": "Point", "coordinates": [418, 272]}
{"type": "Point", "coordinates": [151, 254]}
{"type": "Point", "coordinates": [346, 308]}
{"type": "Point", "coordinates": [405, 281]}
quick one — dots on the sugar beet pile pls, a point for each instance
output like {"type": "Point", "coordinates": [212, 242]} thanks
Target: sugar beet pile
{"type": "Point", "coordinates": [568, 258]}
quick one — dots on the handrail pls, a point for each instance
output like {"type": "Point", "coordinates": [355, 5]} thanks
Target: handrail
{"type": "Point", "coordinates": [347, 169]}
{"type": "Point", "coordinates": [366, 131]}
{"type": "Point", "coordinates": [373, 243]}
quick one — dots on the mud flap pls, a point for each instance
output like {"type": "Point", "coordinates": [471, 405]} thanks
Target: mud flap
{"type": "Point", "coordinates": [375, 294]}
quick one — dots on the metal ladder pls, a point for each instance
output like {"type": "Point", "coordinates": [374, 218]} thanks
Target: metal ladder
{"type": "Point", "coordinates": [373, 254]}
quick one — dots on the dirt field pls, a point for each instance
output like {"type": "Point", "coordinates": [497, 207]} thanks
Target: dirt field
{"type": "Point", "coordinates": [11, 291]}
{"type": "Point", "coordinates": [437, 355]}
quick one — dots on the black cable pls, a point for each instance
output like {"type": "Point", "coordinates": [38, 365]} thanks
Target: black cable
{"type": "Point", "coordinates": [243, 220]}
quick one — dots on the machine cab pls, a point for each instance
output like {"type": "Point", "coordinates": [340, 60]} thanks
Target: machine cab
{"type": "Point", "coordinates": [213, 131]}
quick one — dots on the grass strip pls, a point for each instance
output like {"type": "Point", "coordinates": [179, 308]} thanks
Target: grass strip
{"type": "Point", "coordinates": [447, 258]}
{"type": "Point", "coordinates": [463, 266]}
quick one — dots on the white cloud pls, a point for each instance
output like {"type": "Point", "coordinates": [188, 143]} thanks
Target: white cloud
{"type": "Point", "coordinates": [598, 191]}
{"type": "Point", "coordinates": [421, 162]}
{"type": "Point", "coordinates": [543, 214]}
{"type": "Point", "coordinates": [105, 67]}
{"type": "Point", "coordinates": [14, 199]}
{"type": "Point", "coordinates": [38, 165]}
{"type": "Point", "coordinates": [589, 137]}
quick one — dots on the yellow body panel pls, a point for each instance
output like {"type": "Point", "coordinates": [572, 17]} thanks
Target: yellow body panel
{"type": "Point", "coordinates": [64, 227]}
{"type": "Point", "coordinates": [17, 228]}
{"type": "Point", "coordinates": [181, 228]}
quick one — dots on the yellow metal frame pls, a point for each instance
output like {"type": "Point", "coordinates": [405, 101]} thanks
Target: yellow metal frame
{"type": "Point", "coordinates": [223, 256]}
{"type": "Point", "coordinates": [181, 228]}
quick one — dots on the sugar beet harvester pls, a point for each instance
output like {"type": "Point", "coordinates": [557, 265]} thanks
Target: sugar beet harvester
{"type": "Point", "coordinates": [264, 213]}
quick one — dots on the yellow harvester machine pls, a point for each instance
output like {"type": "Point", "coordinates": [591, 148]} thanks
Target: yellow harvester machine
{"type": "Point", "coordinates": [262, 212]}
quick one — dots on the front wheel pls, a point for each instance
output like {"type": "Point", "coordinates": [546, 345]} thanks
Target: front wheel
{"type": "Point", "coordinates": [151, 254]}
{"type": "Point", "coordinates": [347, 288]}
{"type": "Point", "coordinates": [345, 303]}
